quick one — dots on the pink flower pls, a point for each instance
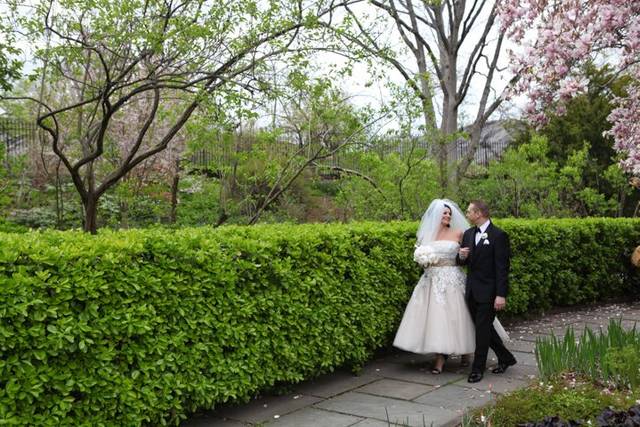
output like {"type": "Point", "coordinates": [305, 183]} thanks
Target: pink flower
{"type": "Point", "coordinates": [569, 34]}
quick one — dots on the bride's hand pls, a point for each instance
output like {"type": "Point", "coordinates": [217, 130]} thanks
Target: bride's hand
{"type": "Point", "coordinates": [463, 253]}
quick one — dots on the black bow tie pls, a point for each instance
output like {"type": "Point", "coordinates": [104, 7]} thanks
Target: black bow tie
{"type": "Point", "coordinates": [478, 230]}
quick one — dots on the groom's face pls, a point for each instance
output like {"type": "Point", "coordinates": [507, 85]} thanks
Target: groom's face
{"type": "Point", "coordinates": [472, 214]}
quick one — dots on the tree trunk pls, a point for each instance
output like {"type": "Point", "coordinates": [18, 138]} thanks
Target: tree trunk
{"type": "Point", "coordinates": [472, 147]}
{"type": "Point", "coordinates": [222, 218]}
{"type": "Point", "coordinates": [124, 214]}
{"type": "Point", "coordinates": [59, 198]}
{"type": "Point", "coordinates": [622, 200]}
{"type": "Point", "coordinates": [174, 194]}
{"type": "Point", "coordinates": [91, 214]}
{"type": "Point", "coordinates": [450, 105]}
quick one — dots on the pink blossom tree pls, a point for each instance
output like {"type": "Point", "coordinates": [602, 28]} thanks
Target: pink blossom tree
{"type": "Point", "coordinates": [559, 38]}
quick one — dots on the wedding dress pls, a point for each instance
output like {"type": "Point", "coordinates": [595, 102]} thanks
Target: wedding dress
{"type": "Point", "coordinates": [436, 319]}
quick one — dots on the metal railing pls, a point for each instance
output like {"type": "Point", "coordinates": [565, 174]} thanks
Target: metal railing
{"type": "Point", "coordinates": [225, 152]}
{"type": "Point", "coordinates": [17, 136]}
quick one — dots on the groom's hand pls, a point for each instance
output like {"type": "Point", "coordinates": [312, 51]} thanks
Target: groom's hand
{"type": "Point", "coordinates": [463, 253]}
{"type": "Point", "coordinates": [499, 303]}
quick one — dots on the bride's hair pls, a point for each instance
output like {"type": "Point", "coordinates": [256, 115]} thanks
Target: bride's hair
{"type": "Point", "coordinates": [432, 218]}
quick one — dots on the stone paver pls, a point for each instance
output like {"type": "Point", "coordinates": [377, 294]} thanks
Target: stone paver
{"type": "Point", "coordinates": [530, 337]}
{"type": "Point", "coordinates": [521, 372]}
{"type": "Point", "coordinates": [495, 383]}
{"type": "Point", "coordinates": [397, 388]}
{"type": "Point", "coordinates": [455, 397]}
{"type": "Point", "coordinates": [370, 422]}
{"type": "Point", "coordinates": [315, 417]}
{"type": "Point", "coordinates": [386, 409]}
{"type": "Point", "coordinates": [411, 373]}
{"type": "Point", "coordinates": [521, 346]}
{"type": "Point", "coordinates": [525, 358]}
{"type": "Point", "coordinates": [267, 408]}
{"type": "Point", "coordinates": [333, 384]}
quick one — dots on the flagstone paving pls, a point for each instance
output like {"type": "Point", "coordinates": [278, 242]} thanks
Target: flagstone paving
{"type": "Point", "coordinates": [398, 388]}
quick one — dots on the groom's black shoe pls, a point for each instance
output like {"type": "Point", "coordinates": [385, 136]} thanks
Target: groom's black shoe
{"type": "Point", "coordinates": [502, 367]}
{"type": "Point", "coordinates": [474, 377]}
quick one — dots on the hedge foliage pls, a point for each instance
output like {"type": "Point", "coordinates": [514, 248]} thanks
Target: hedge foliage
{"type": "Point", "coordinates": [565, 262]}
{"type": "Point", "coordinates": [11, 227]}
{"type": "Point", "coordinates": [142, 327]}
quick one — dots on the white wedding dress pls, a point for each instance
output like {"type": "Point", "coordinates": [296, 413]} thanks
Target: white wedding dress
{"type": "Point", "coordinates": [436, 319]}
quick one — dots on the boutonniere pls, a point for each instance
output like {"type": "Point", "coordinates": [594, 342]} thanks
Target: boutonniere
{"type": "Point", "coordinates": [483, 236]}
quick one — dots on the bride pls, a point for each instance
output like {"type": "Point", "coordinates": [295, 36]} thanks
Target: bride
{"type": "Point", "coordinates": [436, 319]}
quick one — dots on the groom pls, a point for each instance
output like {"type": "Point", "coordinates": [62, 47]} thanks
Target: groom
{"type": "Point", "coordinates": [485, 250]}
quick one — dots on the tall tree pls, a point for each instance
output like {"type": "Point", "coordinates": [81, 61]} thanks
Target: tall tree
{"type": "Point", "coordinates": [119, 53]}
{"type": "Point", "coordinates": [453, 45]}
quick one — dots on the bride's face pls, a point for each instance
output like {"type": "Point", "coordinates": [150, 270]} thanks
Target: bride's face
{"type": "Point", "coordinates": [446, 217]}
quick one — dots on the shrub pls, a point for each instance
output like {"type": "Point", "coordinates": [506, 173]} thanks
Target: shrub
{"type": "Point", "coordinates": [141, 327]}
{"type": "Point", "coordinates": [565, 262]}
{"type": "Point", "coordinates": [623, 363]}
{"type": "Point", "coordinates": [554, 401]}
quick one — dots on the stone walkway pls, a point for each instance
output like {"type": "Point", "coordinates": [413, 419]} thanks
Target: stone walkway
{"type": "Point", "coordinates": [398, 389]}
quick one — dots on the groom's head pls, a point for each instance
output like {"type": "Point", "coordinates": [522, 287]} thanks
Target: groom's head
{"type": "Point", "coordinates": [478, 212]}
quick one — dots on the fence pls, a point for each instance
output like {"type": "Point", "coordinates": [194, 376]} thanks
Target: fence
{"type": "Point", "coordinates": [233, 149]}
{"type": "Point", "coordinates": [495, 138]}
{"type": "Point", "coordinates": [16, 136]}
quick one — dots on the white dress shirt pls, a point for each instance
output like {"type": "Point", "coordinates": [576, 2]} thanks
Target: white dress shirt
{"type": "Point", "coordinates": [483, 229]}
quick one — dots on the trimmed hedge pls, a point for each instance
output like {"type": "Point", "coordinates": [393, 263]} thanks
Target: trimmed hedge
{"type": "Point", "coordinates": [565, 262]}
{"type": "Point", "coordinates": [142, 327]}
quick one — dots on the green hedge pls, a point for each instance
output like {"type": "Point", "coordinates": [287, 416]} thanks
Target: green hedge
{"type": "Point", "coordinates": [565, 262]}
{"type": "Point", "coordinates": [142, 327]}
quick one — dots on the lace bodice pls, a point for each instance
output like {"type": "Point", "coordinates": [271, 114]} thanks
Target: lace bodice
{"type": "Point", "coordinates": [436, 253]}
{"type": "Point", "coordinates": [439, 261]}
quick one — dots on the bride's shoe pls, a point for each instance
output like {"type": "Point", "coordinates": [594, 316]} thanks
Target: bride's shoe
{"type": "Point", "coordinates": [439, 364]}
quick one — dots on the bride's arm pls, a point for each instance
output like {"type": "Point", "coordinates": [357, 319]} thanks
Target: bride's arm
{"type": "Point", "coordinates": [460, 260]}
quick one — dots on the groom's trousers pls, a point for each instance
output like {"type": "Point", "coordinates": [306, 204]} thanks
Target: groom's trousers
{"type": "Point", "coordinates": [483, 315]}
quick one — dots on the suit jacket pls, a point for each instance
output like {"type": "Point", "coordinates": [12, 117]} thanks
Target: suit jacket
{"type": "Point", "coordinates": [488, 264]}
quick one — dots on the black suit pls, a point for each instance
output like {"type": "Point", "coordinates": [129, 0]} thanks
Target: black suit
{"type": "Point", "coordinates": [487, 277]}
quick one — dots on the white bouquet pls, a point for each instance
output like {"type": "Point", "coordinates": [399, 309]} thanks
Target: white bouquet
{"type": "Point", "coordinates": [425, 256]}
